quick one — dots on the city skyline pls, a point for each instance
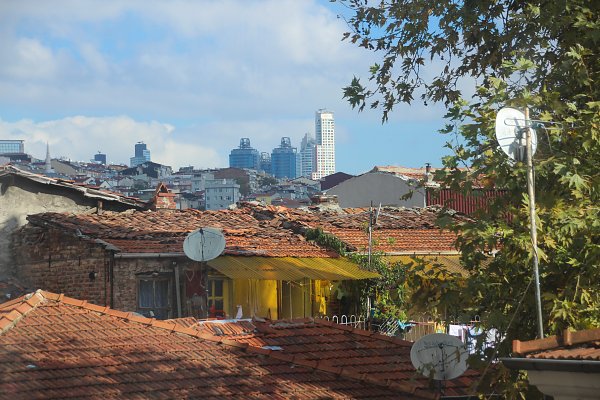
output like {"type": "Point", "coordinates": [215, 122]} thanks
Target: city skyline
{"type": "Point", "coordinates": [115, 73]}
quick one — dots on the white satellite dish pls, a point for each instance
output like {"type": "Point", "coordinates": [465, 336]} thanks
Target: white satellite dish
{"type": "Point", "coordinates": [439, 356]}
{"type": "Point", "coordinates": [510, 133]}
{"type": "Point", "coordinates": [204, 244]}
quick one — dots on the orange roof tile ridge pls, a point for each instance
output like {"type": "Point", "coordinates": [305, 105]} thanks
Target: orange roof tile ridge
{"type": "Point", "coordinates": [20, 308]}
{"type": "Point", "coordinates": [568, 338]}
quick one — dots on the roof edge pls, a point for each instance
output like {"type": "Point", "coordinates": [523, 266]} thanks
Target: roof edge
{"type": "Point", "coordinates": [545, 364]}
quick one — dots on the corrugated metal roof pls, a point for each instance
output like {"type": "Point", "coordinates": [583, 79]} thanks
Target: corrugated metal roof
{"type": "Point", "coordinates": [289, 268]}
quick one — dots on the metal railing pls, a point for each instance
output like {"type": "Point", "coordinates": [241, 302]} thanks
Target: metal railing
{"type": "Point", "coordinates": [352, 320]}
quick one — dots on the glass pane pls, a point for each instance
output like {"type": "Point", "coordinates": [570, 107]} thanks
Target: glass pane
{"type": "Point", "coordinates": [218, 288]}
{"type": "Point", "coordinates": [218, 304]}
{"type": "Point", "coordinates": [210, 288]}
{"type": "Point", "coordinates": [161, 294]}
{"type": "Point", "coordinates": [146, 294]}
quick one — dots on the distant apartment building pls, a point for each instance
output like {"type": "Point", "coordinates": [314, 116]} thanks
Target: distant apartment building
{"type": "Point", "coordinates": [221, 193]}
{"type": "Point", "coordinates": [283, 160]}
{"type": "Point", "coordinates": [324, 158]}
{"type": "Point", "coordinates": [307, 156]}
{"type": "Point", "coordinates": [141, 155]}
{"type": "Point", "coordinates": [13, 151]}
{"type": "Point", "coordinates": [265, 162]}
{"type": "Point", "coordinates": [12, 147]}
{"type": "Point", "coordinates": [199, 180]}
{"type": "Point", "coordinates": [244, 156]}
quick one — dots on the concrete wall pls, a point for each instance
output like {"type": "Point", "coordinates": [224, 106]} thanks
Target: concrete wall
{"type": "Point", "coordinates": [377, 187]}
{"type": "Point", "coordinates": [19, 198]}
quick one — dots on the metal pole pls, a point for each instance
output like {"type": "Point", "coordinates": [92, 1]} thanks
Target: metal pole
{"type": "Point", "coordinates": [177, 289]}
{"type": "Point", "coordinates": [533, 229]}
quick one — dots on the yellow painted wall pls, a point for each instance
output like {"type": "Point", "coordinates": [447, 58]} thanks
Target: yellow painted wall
{"type": "Point", "coordinates": [257, 298]}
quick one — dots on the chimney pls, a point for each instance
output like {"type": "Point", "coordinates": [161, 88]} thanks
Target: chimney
{"type": "Point", "coordinates": [163, 199]}
{"type": "Point", "coordinates": [428, 175]}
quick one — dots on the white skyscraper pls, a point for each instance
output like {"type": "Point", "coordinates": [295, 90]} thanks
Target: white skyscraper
{"type": "Point", "coordinates": [307, 156]}
{"type": "Point", "coordinates": [325, 148]}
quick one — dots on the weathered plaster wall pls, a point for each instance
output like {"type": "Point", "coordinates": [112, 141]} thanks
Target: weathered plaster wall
{"type": "Point", "coordinates": [376, 188]}
{"type": "Point", "coordinates": [24, 198]}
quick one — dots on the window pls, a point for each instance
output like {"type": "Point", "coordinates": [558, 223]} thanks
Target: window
{"type": "Point", "coordinates": [216, 300]}
{"type": "Point", "coordinates": [154, 295]}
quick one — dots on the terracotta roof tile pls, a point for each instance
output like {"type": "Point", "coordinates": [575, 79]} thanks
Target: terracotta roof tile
{"type": "Point", "coordinates": [63, 345]}
{"type": "Point", "coordinates": [334, 348]}
{"type": "Point", "coordinates": [579, 345]}
{"type": "Point", "coordinates": [255, 230]}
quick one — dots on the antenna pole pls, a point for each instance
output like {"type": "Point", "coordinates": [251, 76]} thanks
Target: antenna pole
{"type": "Point", "coordinates": [370, 233]}
{"type": "Point", "coordinates": [532, 225]}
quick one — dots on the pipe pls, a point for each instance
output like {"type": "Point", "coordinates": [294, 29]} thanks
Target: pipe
{"type": "Point", "coordinates": [111, 274]}
{"type": "Point", "coordinates": [177, 288]}
{"type": "Point", "coordinates": [149, 255]}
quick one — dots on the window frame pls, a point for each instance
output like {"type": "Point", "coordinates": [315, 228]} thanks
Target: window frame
{"type": "Point", "coordinates": [155, 277]}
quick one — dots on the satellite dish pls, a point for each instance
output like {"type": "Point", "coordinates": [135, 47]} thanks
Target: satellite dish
{"type": "Point", "coordinates": [204, 244]}
{"type": "Point", "coordinates": [439, 356]}
{"type": "Point", "coordinates": [510, 133]}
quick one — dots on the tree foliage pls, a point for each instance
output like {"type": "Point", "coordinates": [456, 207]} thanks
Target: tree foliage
{"type": "Point", "coordinates": [537, 54]}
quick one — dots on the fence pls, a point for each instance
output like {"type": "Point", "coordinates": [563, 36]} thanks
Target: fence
{"type": "Point", "coordinates": [352, 320]}
{"type": "Point", "coordinates": [412, 330]}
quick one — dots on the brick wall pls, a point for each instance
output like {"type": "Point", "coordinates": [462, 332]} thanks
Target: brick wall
{"type": "Point", "coordinates": [52, 260]}
{"type": "Point", "coordinates": [126, 273]}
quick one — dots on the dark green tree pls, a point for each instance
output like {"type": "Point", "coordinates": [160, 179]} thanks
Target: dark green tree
{"type": "Point", "coordinates": [537, 54]}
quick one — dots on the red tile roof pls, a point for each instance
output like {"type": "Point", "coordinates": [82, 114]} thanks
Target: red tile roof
{"type": "Point", "coordinates": [164, 232]}
{"type": "Point", "coordinates": [257, 230]}
{"type": "Point", "coordinates": [397, 230]}
{"type": "Point", "coordinates": [53, 346]}
{"type": "Point", "coordinates": [580, 345]}
{"type": "Point", "coordinates": [338, 346]}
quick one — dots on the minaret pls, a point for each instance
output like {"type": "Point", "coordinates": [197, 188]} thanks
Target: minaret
{"type": "Point", "coordinates": [49, 169]}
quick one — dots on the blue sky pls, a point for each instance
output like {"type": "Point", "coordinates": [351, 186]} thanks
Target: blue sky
{"type": "Point", "coordinates": [190, 78]}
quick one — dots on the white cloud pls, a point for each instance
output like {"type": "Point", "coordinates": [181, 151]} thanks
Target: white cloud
{"type": "Point", "coordinates": [215, 71]}
{"type": "Point", "coordinates": [79, 138]}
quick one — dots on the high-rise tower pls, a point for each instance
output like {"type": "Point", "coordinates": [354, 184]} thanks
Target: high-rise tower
{"type": "Point", "coordinates": [244, 156]}
{"type": "Point", "coordinates": [307, 156]}
{"type": "Point", "coordinates": [142, 154]}
{"type": "Point", "coordinates": [283, 160]}
{"type": "Point", "coordinates": [325, 149]}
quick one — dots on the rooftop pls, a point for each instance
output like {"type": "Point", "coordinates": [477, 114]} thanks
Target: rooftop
{"type": "Point", "coordinates": [339, 346]}
{"type": "Point", "coordinates": [580, 345]}
{"type": "Point", "coordinates": [89, 191]}
{"type": "Point", "coordinates": [256, 230]}
{"type": "Point", "coordinates": [52, 346]}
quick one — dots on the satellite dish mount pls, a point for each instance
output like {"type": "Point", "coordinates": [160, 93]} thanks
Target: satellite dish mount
{"type": "Point", "coordinates": [519, 141]}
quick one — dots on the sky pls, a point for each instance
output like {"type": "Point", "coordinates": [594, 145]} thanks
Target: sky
{"type": "Point", "coordinates": [190, 78]}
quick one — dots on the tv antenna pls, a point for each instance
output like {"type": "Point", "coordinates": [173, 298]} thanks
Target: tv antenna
{"type": "Point", "coordinates": [519, 141]}
{"type": "Point", "coordinates": [204, 244]}
{"type": "Point", "coordinates": [439, 356]}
